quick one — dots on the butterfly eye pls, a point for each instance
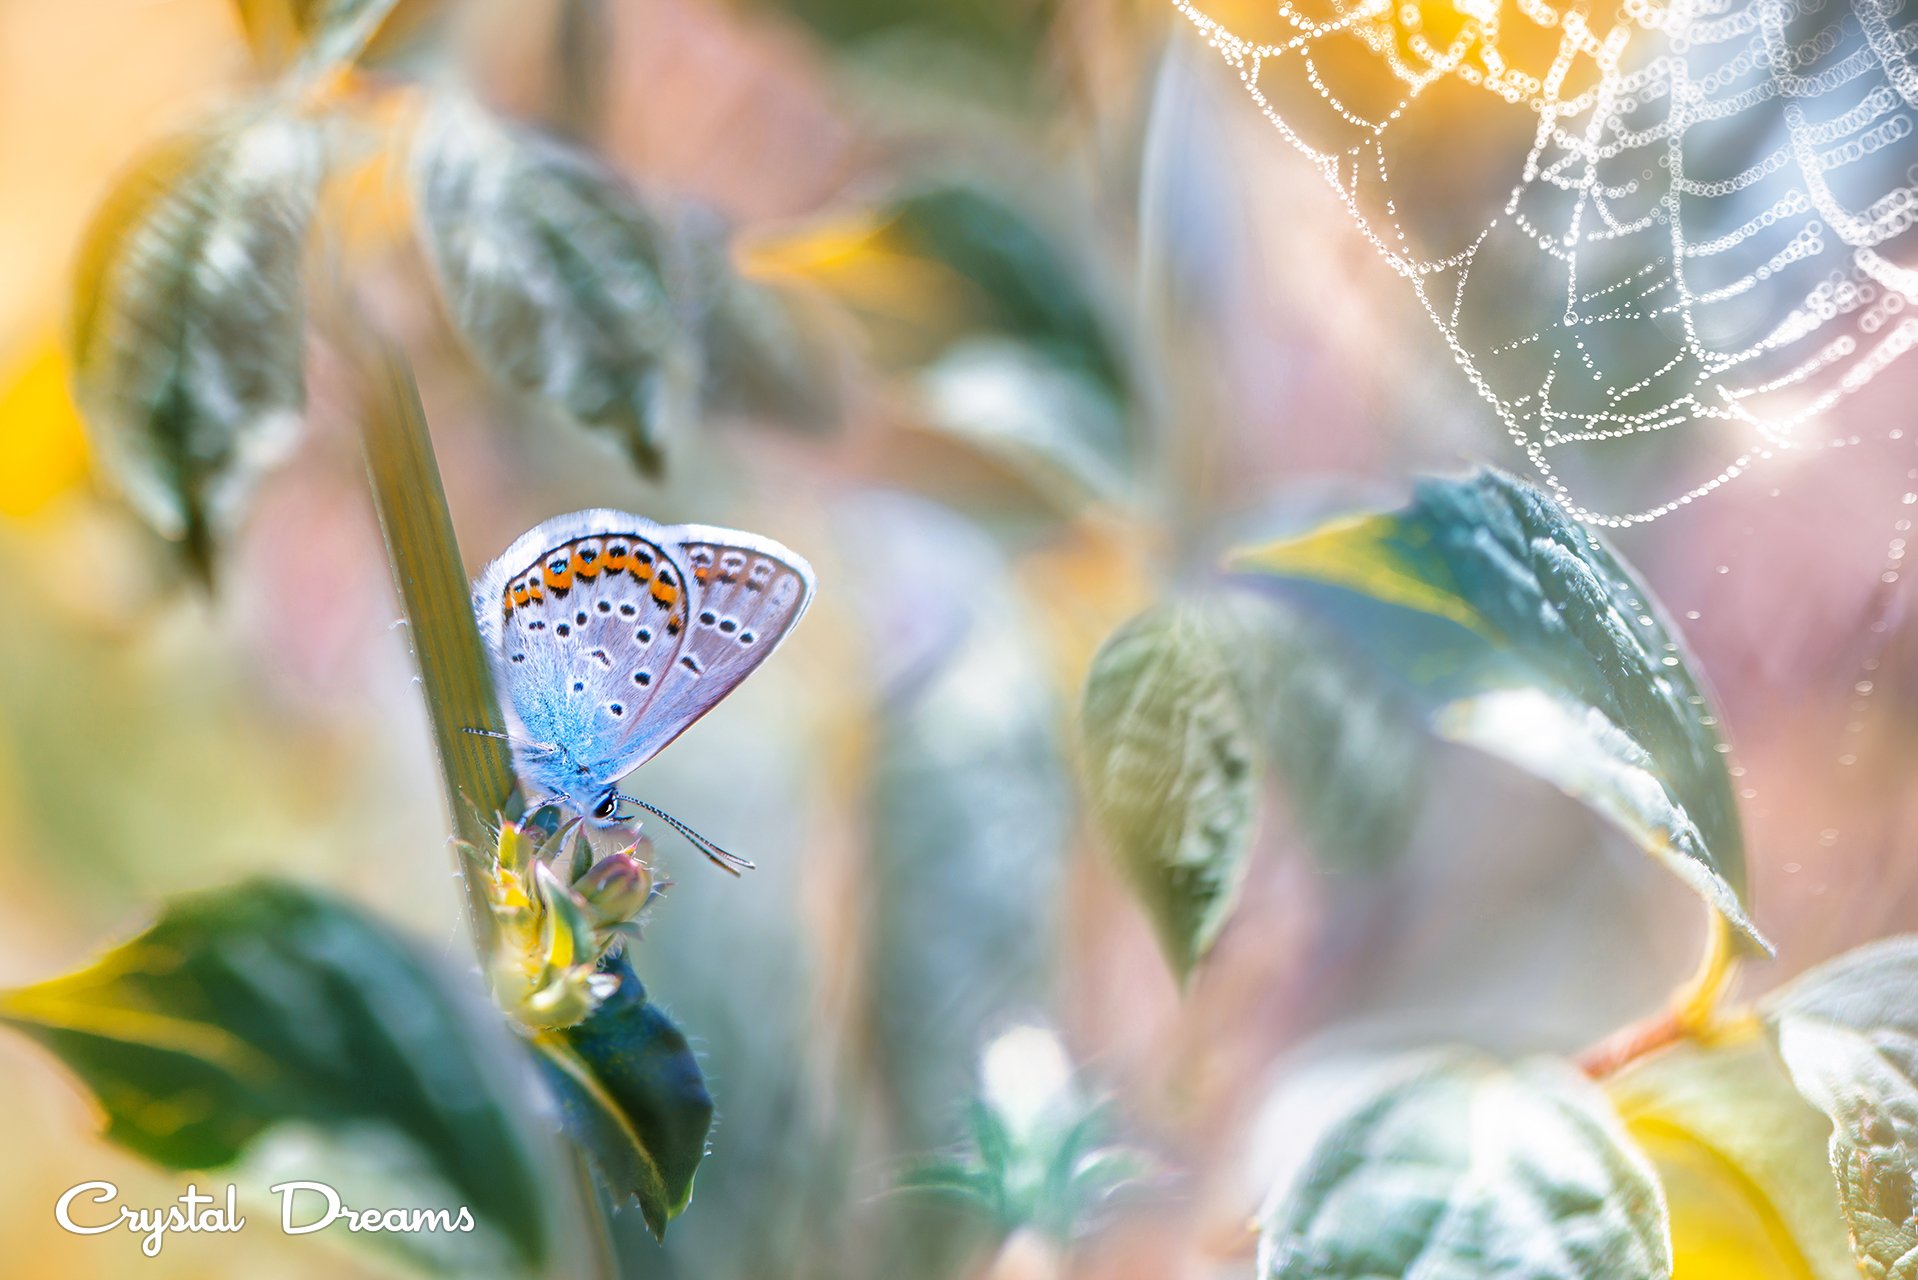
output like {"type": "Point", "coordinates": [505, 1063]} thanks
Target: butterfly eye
{"type": "Point", "coordinates": [608, 806]}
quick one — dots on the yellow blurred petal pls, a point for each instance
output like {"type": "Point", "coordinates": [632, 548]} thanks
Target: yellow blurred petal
{"type": "Point", "coordinates": [857, 260]}
{"type": "Point", "coordinates": [43, 446]}
{"type": "Point", "coordinates": [1723, 1226]}
{"type": "Point", "coordinates": [1742, 1159]}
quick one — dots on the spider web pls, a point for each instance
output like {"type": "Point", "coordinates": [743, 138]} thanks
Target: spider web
{"type": "Point", "coordinates": [1625, 222]}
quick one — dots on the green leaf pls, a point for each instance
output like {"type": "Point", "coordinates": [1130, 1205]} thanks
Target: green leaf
{"type": "Point", "coordinates": [1848, 1031]}
{"type": "Point", "coordinates": [189, 320]}
{"type": "Point", "coordinates": [931, 43]}
{"type": "Point", "coordinates": [1010, 349]}
{"type": "Point", "coordinates": [317, 35]}
{"type": "Point", "coordinates": [1462, 1168]}
{"type": "Point", "coordinates": [1024, 282]}
{"type": "Point", "coordinates": [1341, 741]}
{"type": "Point", "coordinates": [767, 350]}
{"type": "Point", "coordinates": [1171, 757]}
{"type": "Point", "coordinates": [1741, 1159]}
{"type": "Point", "coordinates": [969, 803]}
{"type": "Point", "coordinates": [630, 1092]}
{"type": "Point", "coordinates": [556, 275]}
{"type": "Point", "coordinates": [267, 1009]}
{"type": "Point", "coordinates": [1050, 420]}
{"type": "Point", "coordinates": [1521, 633]}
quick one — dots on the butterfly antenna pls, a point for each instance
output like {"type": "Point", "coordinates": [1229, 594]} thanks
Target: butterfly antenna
{"type": "Point", "coordinates": [731, 863]}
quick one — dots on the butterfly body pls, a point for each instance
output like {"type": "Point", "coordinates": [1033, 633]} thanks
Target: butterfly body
{"type": "Point", "coordinates": [610, 635]}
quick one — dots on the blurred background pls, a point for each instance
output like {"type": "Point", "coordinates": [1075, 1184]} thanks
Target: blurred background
{"type": "Point", "coordinates": [1083, 320]}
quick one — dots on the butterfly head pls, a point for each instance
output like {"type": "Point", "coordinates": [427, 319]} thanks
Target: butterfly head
{"type": "Point", "coordinates": [602, 809]}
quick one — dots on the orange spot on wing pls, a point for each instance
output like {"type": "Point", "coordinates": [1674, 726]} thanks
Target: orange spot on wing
{"type": "Point", "coordinates": [561, 581]}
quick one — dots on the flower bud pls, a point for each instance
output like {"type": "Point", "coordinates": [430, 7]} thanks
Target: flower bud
{"type": "Point", "coordinates": [617, 888]}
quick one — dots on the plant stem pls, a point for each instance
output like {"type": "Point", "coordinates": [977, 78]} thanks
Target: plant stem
{"type": "Point", "coordinates": [455, 678]}
{"type": "Point", "coordinates": [1695, 1005]}
{"type": "Point", "coordinates": [1693, 1013]}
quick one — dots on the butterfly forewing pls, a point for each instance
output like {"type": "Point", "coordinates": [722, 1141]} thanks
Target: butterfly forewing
{"type": "Point", "coordinates": [746, 594]}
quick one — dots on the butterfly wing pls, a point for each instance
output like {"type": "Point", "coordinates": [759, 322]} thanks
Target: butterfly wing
{"type": "Point", "coordinates": [612, 634]}
{"type": "Point", "coordinates": [746, 595]}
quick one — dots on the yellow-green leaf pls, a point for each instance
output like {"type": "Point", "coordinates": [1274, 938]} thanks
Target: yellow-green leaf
{"type": "Point", "coordinates": [1171, 757]}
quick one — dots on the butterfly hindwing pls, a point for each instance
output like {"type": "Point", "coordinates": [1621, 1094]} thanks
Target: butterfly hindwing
{"type": "Point", "coordinates": [746, 594]}
{"type": "Point", "coordinates": [611, 634]}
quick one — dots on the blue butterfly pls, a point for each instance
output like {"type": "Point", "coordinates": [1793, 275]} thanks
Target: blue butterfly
{"type": "Point", "coordinates": [610, 635]}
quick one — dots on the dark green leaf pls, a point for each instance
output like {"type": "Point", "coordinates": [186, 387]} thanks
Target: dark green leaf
{"type": "Point", "coordinates": [1024, 281]}
{"type": "Point", "coordinates": [927, 37]}
{"type": "Point", "coordinates": [1848, 1031]}
{"type": "Point", "coordinates": [189, 320]}
{"type": "Point", "coordinates": [630, 1092]}
{"type": "Point", "coordinates": [1171, 756]}
{"type": "Point", "coordinates": [1522, 634]}
{"type": "Point", "coordinates": [1464, 1169]}
{"type": "Point", "coordinates": [1024, 363]}
{"type": "Point", "coordinates": [268, 1009]}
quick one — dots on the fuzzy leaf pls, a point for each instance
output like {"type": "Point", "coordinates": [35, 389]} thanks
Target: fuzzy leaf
{"type": "Point", "coordinates": [315, 34]}
{"type": "Point", "coordinates": [1848, 1031]}
{"type": "Point", "coordinates": [1523, 634]}
{"type": "Point", "coordinates": [1464, 1169]}
{"type": "Point", "coordinates": [265, 1009]}
{"type": "Point", "coordinates": [1171, 757]}
{"type": "Point", "coordinates": [189, 320]}
{"type": "Point", "coordinates": [630, 1092]}
{"type": "Point", "coordinates": [561, 281]}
